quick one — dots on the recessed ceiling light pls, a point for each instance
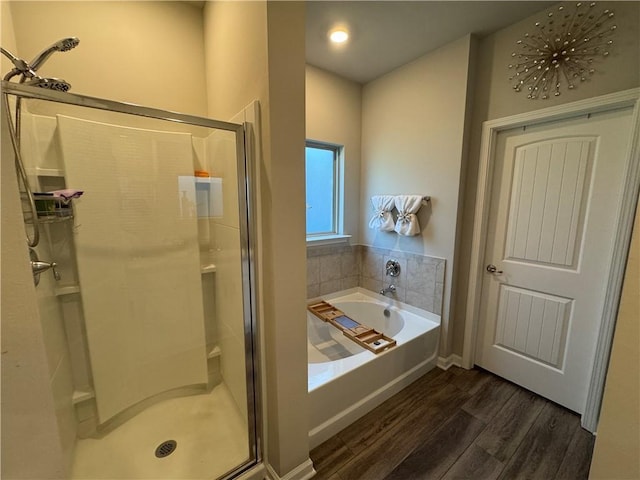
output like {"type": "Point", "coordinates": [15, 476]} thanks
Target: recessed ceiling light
{"type": "Point", "coordinates": [339, 36]}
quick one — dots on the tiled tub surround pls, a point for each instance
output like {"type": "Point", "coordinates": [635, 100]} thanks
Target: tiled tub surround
{"type": "Point", "coordinates": [333, 268]}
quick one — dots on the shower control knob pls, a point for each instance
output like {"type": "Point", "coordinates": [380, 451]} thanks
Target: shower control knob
{"type": "Point", "coordinates": [37, 267]}
{"type": "Point", "coordinates": [392, 268]}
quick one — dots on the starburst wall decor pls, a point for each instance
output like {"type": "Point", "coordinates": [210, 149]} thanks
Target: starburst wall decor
{"type": "Point", "coordinates": [562, 50]}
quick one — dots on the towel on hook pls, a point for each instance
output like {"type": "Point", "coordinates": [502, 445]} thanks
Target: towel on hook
{"type": "Point", "coordinates": [408, 206]}
{"type": "Point", "coordinates": [382, 219]}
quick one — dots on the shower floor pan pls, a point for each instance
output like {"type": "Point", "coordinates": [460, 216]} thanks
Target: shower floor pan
{"type": "Point", "coordinates": [210, 436]}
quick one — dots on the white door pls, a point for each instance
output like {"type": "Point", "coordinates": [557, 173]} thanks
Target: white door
{"type": "Point", "coordinates": [554, 201]}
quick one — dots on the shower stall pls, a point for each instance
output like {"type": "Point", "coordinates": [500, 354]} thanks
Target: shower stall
{"type": "Point", "coordinates": [138, 223]}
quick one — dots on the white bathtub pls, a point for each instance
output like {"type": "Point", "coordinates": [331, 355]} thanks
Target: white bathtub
{"type": "Point", "coordinates": [345, 380]}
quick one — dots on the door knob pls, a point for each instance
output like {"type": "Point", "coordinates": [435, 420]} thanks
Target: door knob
{"type": "Point", "coordinates": [491, 268]}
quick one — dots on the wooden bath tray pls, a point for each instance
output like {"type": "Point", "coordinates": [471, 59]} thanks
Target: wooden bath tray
{"type": "Point", "coordinates": [363, 335]}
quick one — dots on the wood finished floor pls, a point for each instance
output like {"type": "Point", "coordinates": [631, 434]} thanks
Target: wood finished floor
{"type": "Point", "coordinates": [459, 424]}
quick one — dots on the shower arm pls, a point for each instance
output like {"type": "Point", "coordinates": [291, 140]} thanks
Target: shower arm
{"type": "Point", "coordinates": [20, 66]}
{"type": "Point", "coordinates": [22, 175]}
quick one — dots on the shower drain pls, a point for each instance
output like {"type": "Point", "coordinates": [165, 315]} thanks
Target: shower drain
{"type": "Point", "coordinates": [166, 448]}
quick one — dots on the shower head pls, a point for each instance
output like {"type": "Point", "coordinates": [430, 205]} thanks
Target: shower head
{"type": "Point", "coordinates": [48, 83]}
{"type": "Point", "coordinates": [28, 70]}
{"type": "Point", "coordinates": [63, 45]}
{"type": "Point", "coordinates": [68, 43]}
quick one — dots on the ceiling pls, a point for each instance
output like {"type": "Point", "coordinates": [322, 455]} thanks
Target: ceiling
{"type": "Point", "coordinates": [387, 34]}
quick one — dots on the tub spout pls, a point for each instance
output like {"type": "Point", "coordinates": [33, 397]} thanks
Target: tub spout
{"type": "Point", "coordinates": [390, 289]}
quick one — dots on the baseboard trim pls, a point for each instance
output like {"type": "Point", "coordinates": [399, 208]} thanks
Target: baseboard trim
{"type": "Point", "coordinates": [304, 471]}
{"type": "Point", "coordinates": [445, 363]}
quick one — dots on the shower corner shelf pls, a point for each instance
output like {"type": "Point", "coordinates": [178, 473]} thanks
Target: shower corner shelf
{"type": "Point", "coordinates": [51, 209]}
{"type": "Point", "coordinates": [66, 290]}
{"type": "Point", "coordinates": [215, 352]}
{"type": "Point", "coordinates": [210, 268]}
{"type": "Point", "coordinates": [46, 172]}
{"type": "Point", "coordinates": [49, 219]}
{"type": "Point", "coordinates": [81, 396]}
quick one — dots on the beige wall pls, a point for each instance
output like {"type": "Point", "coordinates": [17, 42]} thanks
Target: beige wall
{"type": "Point", "coordinates": [259, 54]}
{"type": "Point", "coordinates": [236, 56]}
{"type": "Point", "coordinates": [263, 44]}
{"type": "Point", "coordinates": [283, 226]}
{"type": "Point", "coordinates": [413, 142]}
{"type": "Point", "coordinates": [149, 53]}
{"type": "Point", "coordinates": [494, 98]}
{"type": "Point", "coordinates": [616, 454]}
{"type": "Point", "coordinates": [619, 71]}
{"type": "Point", "coordinates": [8, 35]}
{"type": "Point", "coordinates": [29, 428]}
{"type": "Point", "coordinates": [333, 115]}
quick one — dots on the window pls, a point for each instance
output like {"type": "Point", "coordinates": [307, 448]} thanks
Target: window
{"type": "Point", "coordinates": [322, 182]}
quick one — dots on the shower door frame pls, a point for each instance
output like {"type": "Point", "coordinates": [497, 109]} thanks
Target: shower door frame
{"type": "Point", "coordinates": [247, 233]}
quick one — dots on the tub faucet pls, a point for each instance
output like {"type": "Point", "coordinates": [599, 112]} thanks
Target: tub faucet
{"type": "Point", "coordinates": [390, 289]}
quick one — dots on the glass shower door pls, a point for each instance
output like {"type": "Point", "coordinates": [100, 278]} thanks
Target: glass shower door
{"type": "Point", "coordinates": [148, 327]}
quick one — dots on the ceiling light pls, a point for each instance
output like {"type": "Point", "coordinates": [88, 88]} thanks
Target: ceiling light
{"type": "Point", "coordinates": [339, 36]}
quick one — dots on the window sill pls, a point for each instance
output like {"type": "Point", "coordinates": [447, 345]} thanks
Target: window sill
{"type": "Point", "coordinates": [327, 240]}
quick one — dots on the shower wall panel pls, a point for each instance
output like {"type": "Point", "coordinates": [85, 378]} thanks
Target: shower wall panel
{"type": "Point", "coordinates": [138, 260]}
{"type": "Point", "coordinates": [40, 155]}
{"type": "Point", "coordinates": [227, 257]}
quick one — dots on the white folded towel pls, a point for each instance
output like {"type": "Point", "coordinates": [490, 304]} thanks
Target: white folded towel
{"type": "Point", "coordinates": [408, 206]}
{"type": "Point", "coordinates": [382, 219]}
